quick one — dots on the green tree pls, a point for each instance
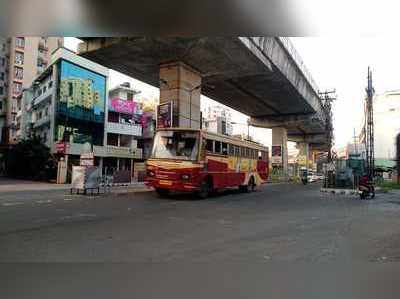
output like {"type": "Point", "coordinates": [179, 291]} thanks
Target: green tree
{"type": "Point", "coordinates": [30, 159]}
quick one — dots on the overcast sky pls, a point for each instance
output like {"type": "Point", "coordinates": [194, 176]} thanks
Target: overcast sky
{"type": "Point", "coordinates": [335, 63]}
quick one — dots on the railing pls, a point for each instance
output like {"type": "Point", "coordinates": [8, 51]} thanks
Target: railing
{"type": "Point", "coordinates": [299, 61]}
{"type": "Point", "coordinates": [125, 129]}
{"type": "Point", "coordinates": [42, 121]}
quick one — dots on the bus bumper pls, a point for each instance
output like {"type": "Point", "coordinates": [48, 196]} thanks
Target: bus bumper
{"type": "Point", "coordinates": [171, 185]}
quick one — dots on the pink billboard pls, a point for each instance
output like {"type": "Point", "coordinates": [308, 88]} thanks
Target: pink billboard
{"type": "Point", "coordinates": [122, 106]}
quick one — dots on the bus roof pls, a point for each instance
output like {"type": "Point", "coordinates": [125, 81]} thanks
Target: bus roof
{"type": "Point", "coordinates": [221, 137]}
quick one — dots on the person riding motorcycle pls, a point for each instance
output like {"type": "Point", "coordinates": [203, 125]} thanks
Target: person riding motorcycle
{"type": "Point", "coordinates": [365, 187]}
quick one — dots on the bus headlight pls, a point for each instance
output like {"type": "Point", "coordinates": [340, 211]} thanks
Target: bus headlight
{"type": "Point", "coordinates": [185, 177]}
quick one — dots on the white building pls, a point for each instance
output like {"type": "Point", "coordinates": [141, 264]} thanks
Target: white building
{"type": "Point", "coordinates": [218, 119]}
{"type": "Point", "coordinates": [387, 124]}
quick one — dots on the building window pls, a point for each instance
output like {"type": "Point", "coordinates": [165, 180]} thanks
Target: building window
{"type": "Point", "coordinates": [20, 42]}
{"type": "Point", "coordinates": [50, 84]}
{"type": "Point", "coordinates": [46, 111]}
{"type": "Point", "coordinates": [19, 58]}
{"type": "Point", "coordinates": [2, 76]}
{"type": "Point", "coordinates": [1, 91]}
{"type": "Point", "coordinates": [19, 73]}
{"type": "Point", "coordinates": [112, 139]}
{"type": "Point", "coordinates": [1, 105]}
{"type": "Point", "coordinates": [129, 96]}
{"type": "Point", "coordinates": [17, 87]}
{"type": "Point", "coordinates": [3, 61]}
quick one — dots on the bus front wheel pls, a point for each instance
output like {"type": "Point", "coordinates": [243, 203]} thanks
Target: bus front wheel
{"type": "Point", "coordinates": [205, 189]}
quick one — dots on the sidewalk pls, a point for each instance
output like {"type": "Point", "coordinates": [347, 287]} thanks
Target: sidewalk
{"type": "Point", "coordinates": [14, 185]}
{"type": "Point", "coordinates": [9, 185]}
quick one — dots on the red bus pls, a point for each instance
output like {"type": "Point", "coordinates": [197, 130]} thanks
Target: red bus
{"type": "Point", "coordinates": [203, 162]}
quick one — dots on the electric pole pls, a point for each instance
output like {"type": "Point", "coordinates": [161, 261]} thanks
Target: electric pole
{"type": "Point", "coordinates": [369, 127]}
{"type": "Point", "coordinates": [327, 97]}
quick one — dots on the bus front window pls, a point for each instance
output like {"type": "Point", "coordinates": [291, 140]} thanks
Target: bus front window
{"type": "Point", "coordinates": [176, 145]}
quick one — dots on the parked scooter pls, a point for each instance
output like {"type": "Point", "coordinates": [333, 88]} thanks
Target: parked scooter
{"type": "Point", "coordinates": [366, 188]}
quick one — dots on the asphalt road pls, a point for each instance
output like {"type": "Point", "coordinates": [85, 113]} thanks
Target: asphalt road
{"type": "Point", "coordinates": [265, 237]}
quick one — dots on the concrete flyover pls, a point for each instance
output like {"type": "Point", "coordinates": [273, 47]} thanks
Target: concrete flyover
{"type": "Point", "coordinates": [262, 77]}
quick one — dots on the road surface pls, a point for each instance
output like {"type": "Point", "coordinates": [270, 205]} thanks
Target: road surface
{"type": "Point", "coordinates": [258, 236]}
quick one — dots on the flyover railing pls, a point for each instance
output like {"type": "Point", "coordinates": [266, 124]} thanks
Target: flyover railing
{"type": "Point", "coordinates": [287, 43]}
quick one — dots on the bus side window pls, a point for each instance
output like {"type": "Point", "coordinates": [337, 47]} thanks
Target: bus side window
{"type": "Point", "coordinates": [264, 155]}
{"type": "Point", "coordinates": [209, 145]}
{"type": "Point", "coordinates": [218, 147]}
{"type": "Point", "coordinates": [231, 149]}
{"type": "Point", "coordinates": [242, 152]}
{"type": "Point", "coordinates": [247, 152]}
{"type": "Point", "coordinates": [224, 148]}
{"type": "Point", "coordinates": [259, 157]}
{"type": "Point", "coordinates": [237, 151]}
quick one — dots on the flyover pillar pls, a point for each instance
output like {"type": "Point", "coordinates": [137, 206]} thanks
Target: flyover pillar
{"type": "Point", "coordinates": [181, 85]}
{"type": "Point", "coordinates": [280, 165]}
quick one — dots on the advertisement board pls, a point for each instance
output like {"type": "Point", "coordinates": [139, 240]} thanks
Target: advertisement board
{"type": "Point", "coordinates": [82, 93]}
{"type": "Point", "coordinates": [164, 115]}
{"type": "Point", "coordinates": [276, 154]}
{"type": "Point", "coordinates": [122, 106]}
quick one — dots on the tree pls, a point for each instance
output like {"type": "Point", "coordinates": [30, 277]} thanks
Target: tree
{"type": "Point", "coordinates": [30, 159]}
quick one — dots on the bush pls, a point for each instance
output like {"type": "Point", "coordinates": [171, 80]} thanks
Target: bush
{"type": "Point", "coordinates": [30, 159]}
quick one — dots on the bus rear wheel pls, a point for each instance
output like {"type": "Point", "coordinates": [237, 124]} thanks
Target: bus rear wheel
{"type": "Point", "coordinates": [162, 192]}
{"type": "Point", "coordinates": [250, 187]}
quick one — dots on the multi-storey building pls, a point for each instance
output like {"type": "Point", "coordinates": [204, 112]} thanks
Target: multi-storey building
{"type": "Point", "coordinates": [123, 126]}
{"type": "Point", "coordinates": [218, 119]}
{"type": "Point", "coordinates": [25, 59]}
{"type": "Point", "coordinates": [69, 108]}
{"type": "Point", "coordinates": [4, 64]}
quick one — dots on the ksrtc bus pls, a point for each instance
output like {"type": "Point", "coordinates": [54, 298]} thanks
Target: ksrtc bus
{"type": "Point", "coordinates": [203, 162]}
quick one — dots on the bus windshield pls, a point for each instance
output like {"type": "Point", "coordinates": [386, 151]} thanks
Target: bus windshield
{"type": "Point", "coordinates": [179, 145]}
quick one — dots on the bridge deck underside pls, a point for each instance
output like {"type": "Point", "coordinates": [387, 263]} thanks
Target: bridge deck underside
{"type": "Point", "coordinates": [232, 74]}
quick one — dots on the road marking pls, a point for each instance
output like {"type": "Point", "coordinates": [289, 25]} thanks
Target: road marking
{"type": "Point", "coordinates": [44, 201]}
{"type": "Point", "coordinates": [9, 204]}
{"type": "Point", "coordinates": [77, 216]}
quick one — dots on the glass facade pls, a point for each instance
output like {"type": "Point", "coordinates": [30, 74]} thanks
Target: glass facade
{"type": "Point", "coordinates": [81, 105]}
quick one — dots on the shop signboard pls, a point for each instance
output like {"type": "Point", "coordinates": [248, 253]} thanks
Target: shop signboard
{"type": "Point", "coordinates": [61, 147]}
{"type": "Point", "coordinates": [164, 115]}
{"type": "Point", "coordinates": [276, 154]}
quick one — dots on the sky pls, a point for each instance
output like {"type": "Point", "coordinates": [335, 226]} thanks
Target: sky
{"type": "Point", "coordinates": [335, 62]}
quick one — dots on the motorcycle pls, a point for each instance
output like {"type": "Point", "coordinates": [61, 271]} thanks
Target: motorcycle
{"type": "Point", "coordinates": [366, 189]}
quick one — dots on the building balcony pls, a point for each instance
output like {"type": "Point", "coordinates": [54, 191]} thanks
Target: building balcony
{"type": "Point", "coordinates": [124, 129]}
{"type": "Point", "coordinates": [42, 45]}
{"type": "Point", "coordinates": [44, 96]}
{"type": "Point", "coordinates": [41, 122]}
{"type": "Point", "coordinates": [118, 152]}
{"type": "Point", "coordinates": [105, 151]}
